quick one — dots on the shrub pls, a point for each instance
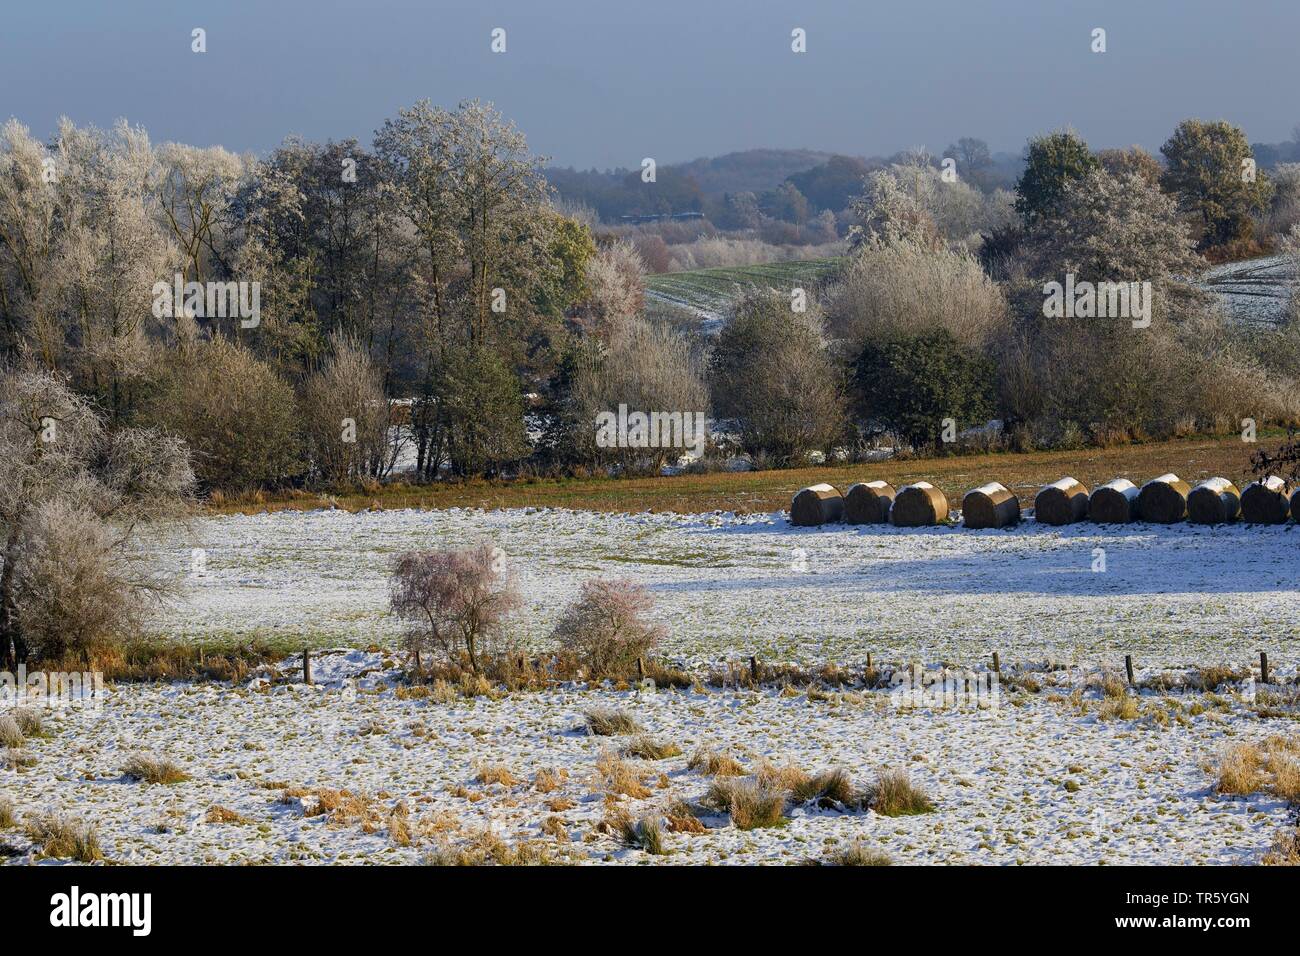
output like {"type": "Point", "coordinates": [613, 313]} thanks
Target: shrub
{"type": "Point", "coordinates": [71, 580]}
{"type": "Point", "coordinates": [771, 371]}
{"type": "Point", "coordinates": [349, 389]}
{"type": "Point", "coordinates": [912, 383]}
{"type": "Point", "coordinates": [10, 734]}
{"type": "Point", "coordinates": [456, 602]}
{"type": "Point", "coordinates": [902, 289]}
{"type": "Point", "coordinates": [237, 415]}
{"type": "Point", "coordinates": [8, 818]}
{"type": "Point", "coordinates": [482, 410]}
{"type": "Point", "coordinates": [606, 627]}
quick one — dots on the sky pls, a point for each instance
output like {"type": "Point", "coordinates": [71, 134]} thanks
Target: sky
{"type": "Point", "coordinates": [604, 83]}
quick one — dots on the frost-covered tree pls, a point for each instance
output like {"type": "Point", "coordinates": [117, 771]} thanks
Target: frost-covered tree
{"type": "Point", "coordinates": [1113, 228]}
{"type": "Point", "coordinates": [72, 495]}
{"type": "Point", "coordinates": [770, 371]}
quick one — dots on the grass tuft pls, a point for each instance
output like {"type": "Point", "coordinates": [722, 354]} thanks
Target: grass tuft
{"type": "Point", "coordinates": [61, 837]}
{"type": "Point", "coordinates": [608, 722]}
{"type": "Point", "coordinates": [894, 795]}
{"type": "Point", "coordinates": [147, 769]}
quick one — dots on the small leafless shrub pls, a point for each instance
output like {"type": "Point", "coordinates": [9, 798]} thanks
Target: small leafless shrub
{"type": "Point", "coordinates": [606, 627]}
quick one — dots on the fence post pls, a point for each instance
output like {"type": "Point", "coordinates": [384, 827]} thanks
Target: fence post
{"type": "Point", "coordinates": [306, 666]}
{"type": "Point", "coordinates": [1128, 668]}
{"type": "Point", "coordinates": [1263, 667]}
{"type": "Point", "coordinates": [753, 668]}
{"type": "Point", "coordinates": [997, 663]}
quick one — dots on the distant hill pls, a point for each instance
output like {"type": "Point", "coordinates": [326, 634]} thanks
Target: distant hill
{"type": "Point", "coordinates": [750, 170]}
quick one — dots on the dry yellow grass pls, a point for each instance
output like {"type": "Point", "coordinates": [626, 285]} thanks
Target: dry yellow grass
{"type": "Point", "coordinates": [750, 803]}
{"type": "Point", "coordinates": [646, 748]}
{"type": "Point", "coordinates": [489, 774]}
{"type": "Point", "coordinates": [555, 827]}
{"type": "Point", "coordinates": [149, 769]}
{"type": "Point", "coordinates": [548, 780]}
{"type": "Point", "coordinates": [710, 763]}
{"type": "Point", "coordinates": [220, 814]}
{"type": "Point", "coordinates": [894, 795]}
{"type": "Point", "coordinates": [857, 854]}
{"type": "Point", "coordinates": [619, 777]}
{"type": "Point", "coordinates": [61, 837]}
{"type": "Point", "coordinates": [487, 849]}
{"type": "Point", "coordinates": [1285, 850]}
{"type": "Point", "coordinates": [8, 816]}
{"type": "Point", "coordinates": [766, 491]}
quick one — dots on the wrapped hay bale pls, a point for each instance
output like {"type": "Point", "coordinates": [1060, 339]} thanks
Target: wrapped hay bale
{"type": "Point", "coordinates": [816, 504]}
{"type": "Point", "coordinates": [1115, 502]}
{"type": "Point", "coordinates": [1214, 501]}
{"type": "Point", "coordinates": [990, 506]}
{"type": "Point", "coordinates": [1163, 500]}
{"type": "Point", "coordinates": [1061, 502]}
{"type": "Point", "coordinates": [1266, 502]}
{"type": "Point", "coordinates": [919, 505]}
{"type": "Point", "coordinates": [868, 502]}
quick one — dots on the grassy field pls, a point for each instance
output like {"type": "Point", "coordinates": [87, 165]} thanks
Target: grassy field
{"type": "Point", "coordinates": [767, 491]}
{"type": "Point", "coordinates": [713, 290]}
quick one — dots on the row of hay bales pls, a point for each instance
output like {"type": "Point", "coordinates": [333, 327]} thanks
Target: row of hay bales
{"type": "Point", "coordinates": [1163, 500]}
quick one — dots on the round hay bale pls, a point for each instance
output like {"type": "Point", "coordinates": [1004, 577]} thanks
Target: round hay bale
{"type": "Point", "coordinates": [1163, 500]}
{"type": "Point", "coordinates": [867, 502]}
{"type": "Point", "coordinates": [816, 504]}
{"type": "Point", "coordinates": [990, 506]}
{"type": "Point", "coordinates": [919, 505]}
{"type": "Point", "coordinates": [1061, 502]}
{"type": "Point", "coordinates": [1115, 502]}
{"type": "Point", "coordinates": [1266, 502]}
{"type": "Point", "coordinates": [1214, 501]}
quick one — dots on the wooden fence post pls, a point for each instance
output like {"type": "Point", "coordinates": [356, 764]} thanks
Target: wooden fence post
{"type": "Point", "coordinates": [306, 666]}
{"type": "Point", "coordinates": [1263, 667]}
{"type": "Point", "coordinates": [753, 668]}
{"type": "Point", "coordinates": [997, 663]}
{"type": "Point", "coordinates": [1128, 668]}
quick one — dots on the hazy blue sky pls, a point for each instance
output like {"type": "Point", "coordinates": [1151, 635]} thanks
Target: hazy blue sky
{"type": "Point", "coordinates": [606, 82]}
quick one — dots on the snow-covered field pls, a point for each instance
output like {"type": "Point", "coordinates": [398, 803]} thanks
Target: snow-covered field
{"type": "Point", "coordinates": [729, 585]}
{"type": "Point", "coordinates": [1040, 778]}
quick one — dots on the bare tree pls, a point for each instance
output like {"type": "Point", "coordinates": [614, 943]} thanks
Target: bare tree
{"type": "Point", "coordinates": [345, 415]}
{"type": "Point", "coordinates": [456, 602]}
